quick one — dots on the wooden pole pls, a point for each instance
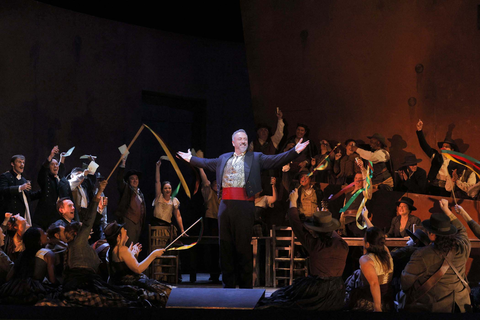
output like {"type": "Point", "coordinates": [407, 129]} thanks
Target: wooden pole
{"type": "Point", "coordinates": [126, 151]}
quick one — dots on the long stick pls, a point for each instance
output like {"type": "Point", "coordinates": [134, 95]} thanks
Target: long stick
{"type": "Point", "coordinates": [182, 234]}
{"type": "Point", "coordinates": [453, 194]}
{"type": "Point", "coordinates": [126, 151]}
{"type": "Point", "coordinates": [325, 159]}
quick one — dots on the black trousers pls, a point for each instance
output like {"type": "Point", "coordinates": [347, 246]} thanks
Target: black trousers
{"type": "Point", "coordinates": [235, 222]}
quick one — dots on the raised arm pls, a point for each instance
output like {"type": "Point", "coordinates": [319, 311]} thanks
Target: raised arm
{"type": "Point", "coordinates": [158, 183]}
{"type": "Point", "coordinates": [277, 137]}
{"type": "Point", "coordinates": [273, 198]}
{"type": "Point", "coordinates": [423, 142]}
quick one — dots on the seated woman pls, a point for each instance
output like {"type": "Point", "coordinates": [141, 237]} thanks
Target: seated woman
{"type": "Point", "coordinates": [32, 266]}
{"type": "Point", "coordinates": [404, 219]}
{"type": "Point", "coordinates": [165, 206]}
{"type": "Point", "coordinates": [323, 289]}
{"type": "Point", "coordinates": [369, 289]}
{"type": "Point", "coordinates": [126, 270]}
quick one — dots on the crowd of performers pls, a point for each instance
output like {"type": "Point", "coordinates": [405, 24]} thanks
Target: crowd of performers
{"type": "Point", "coordinates": [66, 254]}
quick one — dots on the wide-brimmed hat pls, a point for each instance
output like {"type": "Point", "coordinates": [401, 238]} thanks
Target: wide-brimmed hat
{"type": "Point", "coordinates": [410, 160]}
{"type": "Point", "coordinates": [322, 221]}
{"type": "Point", "coordinates": [132, 173]}
{"type": "Point", "coordinates": [420, 236]}
{"type": "Point", "coordinates": [439, 224]}
{"type": "Point", "coordinates": [112, 229]}
{"type": "Point", "coordinates": [450, 142]}
{"type": "Point", "coordinates": [302, 172]}
{"type": "Point", "coordinates": [408, 201]}
{"type": "Point", "coordinates": [379, 137]}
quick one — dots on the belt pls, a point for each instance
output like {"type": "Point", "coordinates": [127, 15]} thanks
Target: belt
{"type": "Point", "coordinates": [236, 194]}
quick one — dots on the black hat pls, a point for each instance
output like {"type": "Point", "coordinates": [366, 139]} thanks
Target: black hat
{"type": "Point", "coordinates": [450, 142]}
{"type": "Point", "coordinates": [439, 224]}
{"type": "Point", "coordinates": [113, 229]}
{"type": "Point", "coordinates": [408, 201]}
{"type": "Point", "coordinates": [322, 221]}
{"type": "Point", "coordinates": [379, 137]}
{"type": "Point", "coordinates": [420, 236]}
{"type": "Point", "coordinates": [348, 141]}
{"type": "Point", "coordinates": [132, 173]}
{"type": "Point", "coordinates": [410, 160]}
{"type": "Point", "coordinates": [263, 125]}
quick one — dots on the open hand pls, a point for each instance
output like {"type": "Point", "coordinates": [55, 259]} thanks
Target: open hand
{"type": "Point", "coordinates": [419, 125]}
{"type": "Point", "coordinates": [185, 155]}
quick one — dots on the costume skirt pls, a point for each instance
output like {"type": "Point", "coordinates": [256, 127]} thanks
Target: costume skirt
{"type": "Point", "coordinates": [308, 293]}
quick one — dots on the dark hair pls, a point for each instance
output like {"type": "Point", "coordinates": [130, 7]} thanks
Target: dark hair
{"type": "Point", "coordinates": [163, 185]}
{"type": "Point", "coordinates": [25, 265]}
{"type": "Point", "coordinates": [60, 203]}
{"type": "Point", "coordinates": [75, 170]}
{"type": "Point", "coordinates": [52, 230]}
{"type": "Point", "coordinates": [74, 226]}
{"type": "Point", "coordinates": [326, 238]}
{"type": "Point", "coordinates": [376, 239]}
{"type": "Point", "coordinates": [17, 156]}
{"type": "Point", "coordinates": [444, 244]}
{"type": "Point", "coordinates": [304, 126]}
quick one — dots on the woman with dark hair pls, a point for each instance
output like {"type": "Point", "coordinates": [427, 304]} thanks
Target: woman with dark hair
{"type": "Point", "coordinates": [323, 289]}
{"type": "Point", "coordinates": [126, 270]}
{"type": "Point", "coordinates": [32, 266]}
{"type": "Point", "coordinates": [165, 206]}
{"type": "Point", "coordinates": [370, 289]}
{"type": "Point", "coordinates": [404, 219]}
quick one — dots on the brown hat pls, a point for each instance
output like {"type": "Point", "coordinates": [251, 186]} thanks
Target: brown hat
{"type": "Point", "coordinates": [450, 142]}
{"type": "Point", "coordinates": [408, 201]}
{"type": "Point", "coordinates": [410, 160]}
{"type": "Point", "coordinates": [322, 221]}
{"type": "Point", "coordinates": [113, 229]}
{"type": "Point", "coordinates": [439, 224]}
{"type": "Point", "coordinates": [379, 137]}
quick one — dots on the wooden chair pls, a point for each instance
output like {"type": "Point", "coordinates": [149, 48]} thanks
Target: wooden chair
{"type": "Point", "coordinates": [286, 267]}
{"type": "Point", "coordinates": [165, 268]}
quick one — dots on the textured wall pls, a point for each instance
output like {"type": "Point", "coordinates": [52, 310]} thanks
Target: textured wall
{"type": "Point", "coordinates": [76, 80]}
{"type": "Point", "coordinates": [347, 69]}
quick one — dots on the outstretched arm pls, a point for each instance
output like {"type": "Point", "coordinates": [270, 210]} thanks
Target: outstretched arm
{"type": "Point", "coordinates": [129, 258]}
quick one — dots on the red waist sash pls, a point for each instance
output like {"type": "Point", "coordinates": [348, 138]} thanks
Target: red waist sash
{"type": "Point", "coordinates": [236, 194]}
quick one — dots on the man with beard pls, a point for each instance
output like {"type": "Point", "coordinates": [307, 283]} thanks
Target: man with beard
{"type": "Point", "coordinates": [238, 180]}
{"type": "Point", "coordinates": [16, 190]}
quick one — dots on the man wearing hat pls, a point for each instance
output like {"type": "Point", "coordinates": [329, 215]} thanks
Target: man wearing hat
{"type": "Point", "coordinates": [324, 288]}
{"type": "Point", "coordinates": [411, 178]}
{"type": "Point", "coordinates": [450, 240]}
{"type": "Point", "coordinates": [441, 168]}
{"type": "Point", "coordinates": [131, 209]}
{"type": "Point", "coordinates": [382, 179]}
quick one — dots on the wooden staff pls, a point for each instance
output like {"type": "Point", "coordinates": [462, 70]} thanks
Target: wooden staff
{"type": "Point", "coordinates": [126, 151]}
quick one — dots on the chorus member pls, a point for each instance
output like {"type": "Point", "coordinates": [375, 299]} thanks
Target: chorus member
{"type": "Point", "coordinates": [131, 209]}
{"type": "Point", "coordinates": [323, 288]}
{"type": "Point", "coordinates": [450, 241]}
{"type": "Point", "coordinates": [126, 270]}
{"type": "Point", "coordinates": [382, 179]}
{"type": "Point", "coordinates": [441, 167]}
{"type": "Point", "coordinates": [16, 190]}
{"type": "Point", "coordinates": [404, 219]}
{"type": "Point", "coordinates": [411, 178]}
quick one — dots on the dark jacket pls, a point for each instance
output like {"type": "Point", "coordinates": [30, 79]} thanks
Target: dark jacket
{"type": "Point", "coordinates": [13, 199]}
{"type": "Point", "coordinates": [254, 163]}
{"type": "Point", "coordinates": [323, 261]}
{"type": "Point", "coordinates": [449, 290]}
{"type": "Point", "coordinates": [417, 183]}
{"type": "Point", "coordinates": [436, 158]}
{"type": "Point", "coordinates": [51, 189]}
{"type": "Point", "coordinates": [394, 231]}
{"type": "Point", "coordinates": [126, 193]}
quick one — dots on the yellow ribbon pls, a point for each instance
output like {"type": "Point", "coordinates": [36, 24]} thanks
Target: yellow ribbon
{"type": "Point", "coordinates": [449, 156]}
{"type": "Point", "coordinates": [172, 160]}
